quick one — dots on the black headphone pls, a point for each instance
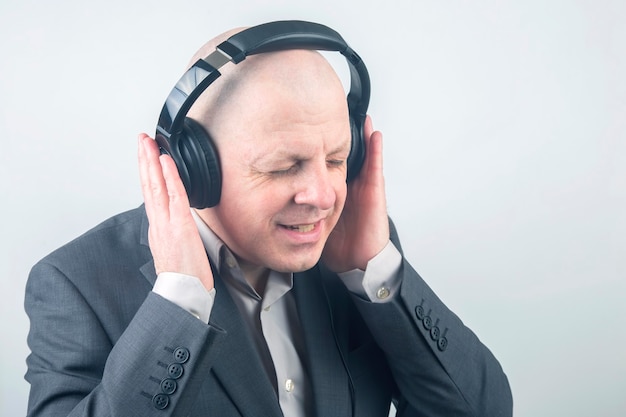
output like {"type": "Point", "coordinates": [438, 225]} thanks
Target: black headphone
{"type": "Point", "coordinates": [188, 143]}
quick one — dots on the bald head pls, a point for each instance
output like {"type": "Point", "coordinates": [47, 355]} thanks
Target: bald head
{"type": "Point", "coordinates": [293, 78]}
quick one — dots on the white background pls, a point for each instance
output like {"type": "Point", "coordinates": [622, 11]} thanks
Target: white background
{"type": "Point", "coordinates": [505, 127]}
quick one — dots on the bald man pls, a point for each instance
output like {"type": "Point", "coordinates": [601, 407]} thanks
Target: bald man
{"type": "Point", "coordinates": [289, 297]}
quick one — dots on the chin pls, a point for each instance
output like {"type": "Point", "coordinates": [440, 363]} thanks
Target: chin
{"type": "Point", "coordinates": [298, 265]}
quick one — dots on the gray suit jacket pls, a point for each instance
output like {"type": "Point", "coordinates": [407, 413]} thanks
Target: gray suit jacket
{"type": "Point", "coordinates": [104, 345]}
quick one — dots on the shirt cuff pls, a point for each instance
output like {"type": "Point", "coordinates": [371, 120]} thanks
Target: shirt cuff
{"type": "Point", "coordinates": [187, 292]}
{"type": "Point", "coordinates": [380, 281]}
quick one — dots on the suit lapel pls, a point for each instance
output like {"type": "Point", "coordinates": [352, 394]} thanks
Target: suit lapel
{"type": "Point", "coordinates": [329, 378]}
{"type": "Point", "coordinates": [239, 368]}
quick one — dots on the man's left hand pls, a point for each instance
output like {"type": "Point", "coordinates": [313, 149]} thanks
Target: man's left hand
{"type": "Point", "coordinates": [363, 228]}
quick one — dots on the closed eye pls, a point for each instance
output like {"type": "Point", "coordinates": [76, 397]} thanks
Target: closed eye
{"type": "Point", "coordinates": [296, 167]}
{"type": "Point", "coordinates": [336, 162]}
{"type": "Point", "coordinates": [293, 169]}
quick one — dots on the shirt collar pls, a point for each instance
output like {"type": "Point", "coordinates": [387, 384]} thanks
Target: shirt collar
{"type": "Point", "coordinates": [278, 283]}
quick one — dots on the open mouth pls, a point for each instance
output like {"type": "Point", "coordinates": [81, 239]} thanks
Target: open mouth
{"type": "Point", "coordinates": [301, 228]}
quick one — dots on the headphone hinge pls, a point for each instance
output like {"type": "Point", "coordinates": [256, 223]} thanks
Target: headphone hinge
{"type": "Point", "coordinates": [217, 59]}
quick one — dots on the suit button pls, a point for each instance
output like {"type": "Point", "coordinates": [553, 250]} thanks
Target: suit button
{"type": "Point", "coordinates": [181, 355]}
{"type": "Point", "coordinates": [160, 401]}
{"type": "Point", "coordinates": [428, 322]}
{"type": "Point", "coordinates": [442, 344]}
{"type": "Point", "coordinates": [175, 370]}
{"type": "Point", "coordinates": [168, 386]}
{"type": "Point", "coordinates": [419, 312]}
{"type": "Point", "coordinates": [434, 333]}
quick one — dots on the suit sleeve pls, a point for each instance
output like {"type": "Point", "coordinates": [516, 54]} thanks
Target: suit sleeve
{"type": "Point", "coordinates": [78, 366]}
{"type": "Point", "coordinates": [440, 365]}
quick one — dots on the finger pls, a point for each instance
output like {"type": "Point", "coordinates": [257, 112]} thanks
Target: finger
{"type": "Point", "coordinates": [152, 182]}
{"type": "Point", "coordinates": [373, 166]}
{"type": "Point", "coordinates": [178, 201]}
{"type": "Point", "coordinates": [368, 128]}
{"type": "Point", "coordinates": [375, 160]}
{"type": "Point", "coordinates": [142, 159]}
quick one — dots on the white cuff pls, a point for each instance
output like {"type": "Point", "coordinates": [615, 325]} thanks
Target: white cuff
{"type": "Point", "coordinates": [380, 281]}
{"type": "Point", "coordinates": [187, 292]}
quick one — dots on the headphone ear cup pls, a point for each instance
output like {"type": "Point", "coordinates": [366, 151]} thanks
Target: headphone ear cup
{"type": "Point", "coordinates": [357, 149]}
{"type": "Point", "coordinates": [201, 173]}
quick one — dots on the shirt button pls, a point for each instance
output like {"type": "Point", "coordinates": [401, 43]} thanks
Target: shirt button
{"type": "Point", "coordinates": [268, 308]}
{"type": "Point", "coordinates": [382, 293]}
{"type": "Point", "coordinates": [289, 385]}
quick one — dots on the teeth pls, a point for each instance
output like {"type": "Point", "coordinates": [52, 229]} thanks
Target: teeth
{"type": "Point", "coordinates": [303, 228]}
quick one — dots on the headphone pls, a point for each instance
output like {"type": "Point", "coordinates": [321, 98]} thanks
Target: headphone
{"type": "Point", "coordinates": [188, 143]}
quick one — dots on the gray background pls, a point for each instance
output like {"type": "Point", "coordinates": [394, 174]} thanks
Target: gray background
{"type": "Point", "coordinates": [505, 159]}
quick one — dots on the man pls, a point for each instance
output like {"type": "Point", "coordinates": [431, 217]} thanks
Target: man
{"type": "Point", "coordinates": [289, 297]}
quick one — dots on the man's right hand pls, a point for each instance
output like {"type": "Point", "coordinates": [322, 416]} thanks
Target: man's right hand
{"type": "Point", "coordinates": [173, 236]}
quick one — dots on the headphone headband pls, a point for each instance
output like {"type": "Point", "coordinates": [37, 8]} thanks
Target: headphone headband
{"type": "Point", "coordinates": [282, 35]}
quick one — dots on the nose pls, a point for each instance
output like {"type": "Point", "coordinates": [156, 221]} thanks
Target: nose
{"type": "Point", "coordinates": [316, 188]}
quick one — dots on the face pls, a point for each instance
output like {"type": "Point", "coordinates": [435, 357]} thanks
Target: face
{"type": "Point", "coordinates": [283, 152]}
